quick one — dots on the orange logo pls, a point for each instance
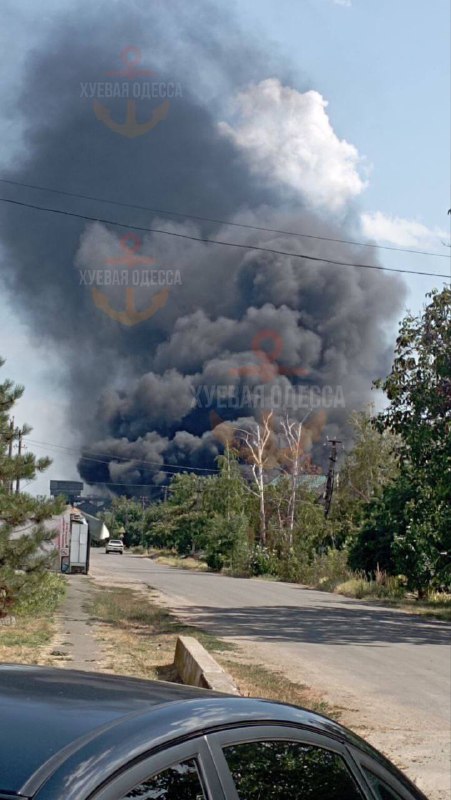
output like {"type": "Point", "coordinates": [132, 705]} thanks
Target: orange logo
{"type": "Point", "coordinates": [267, 360]}
{"type": "Point", "coordinates": [129, 244]}
{"type": "Point", "coordinates": [131, 91]}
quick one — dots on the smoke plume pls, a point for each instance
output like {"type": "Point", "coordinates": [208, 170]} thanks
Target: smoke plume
{"type": "Point", "coordinates": [214, 332]}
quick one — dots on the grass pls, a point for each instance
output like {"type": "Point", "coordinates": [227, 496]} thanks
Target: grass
{"type": "Point", "coordinates": [389, 591]}
{"type": "Point", "coordinates": [433, 608]}
{"type": "Point", "coordinates": [139, 638]}
{"type": "Point", "coordinates": [170, 559]}
{"type": "Point", "coordinates": [22, 643]}
{"type": "Point", "coordinates": [44, 598]}
{"type": "Point", "coordinates": [25, 634]}
{"type": "Point", "coordinates": [255, 680]}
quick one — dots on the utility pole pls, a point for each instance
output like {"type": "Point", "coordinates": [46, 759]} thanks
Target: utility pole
{"type": "Point", "coordinates": [330, 475]}
{"type": "Point", "coordinates": [10, 451]}
{"type": "Point", "coordinates": [142, 523]}
{"type": "Point", "coordinates": [19, 453]}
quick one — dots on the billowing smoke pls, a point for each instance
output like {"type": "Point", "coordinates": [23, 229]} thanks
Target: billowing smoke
{"type": "Point", "coordinates": [166, 336]}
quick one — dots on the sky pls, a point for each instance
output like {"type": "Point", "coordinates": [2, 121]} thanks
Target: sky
{"type": "Point", "coordinates": [375, 76]}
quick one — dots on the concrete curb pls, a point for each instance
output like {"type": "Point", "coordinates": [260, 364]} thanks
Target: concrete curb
{"type": "Point", "coordinates": [196, 667]}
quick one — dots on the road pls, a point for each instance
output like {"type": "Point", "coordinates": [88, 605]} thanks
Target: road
{"type": "Point", "coordinates": [389, 671]}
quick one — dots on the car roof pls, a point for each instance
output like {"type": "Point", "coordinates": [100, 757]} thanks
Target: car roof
{"type": "Point", "coordinates": [42, 710]}
{"type": "Point", "coordinates": [55, 719]}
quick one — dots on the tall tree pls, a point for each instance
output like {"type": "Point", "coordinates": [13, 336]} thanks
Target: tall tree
{"type": "Point", "coordinates": [419, 412]}
{"type": "Point", "coordinates": [25, 542]}
{"type": "Point", "coordinates": [257, 448]}
{"type": "Point", "coordinates": [368, 467]}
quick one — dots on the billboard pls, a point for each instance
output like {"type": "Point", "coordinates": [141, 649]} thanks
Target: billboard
{"type": "Point", "coordinates": [67, 488]}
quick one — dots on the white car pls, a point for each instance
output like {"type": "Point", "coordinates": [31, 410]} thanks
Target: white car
{"type": "Point", "coordinates": [114, 546]}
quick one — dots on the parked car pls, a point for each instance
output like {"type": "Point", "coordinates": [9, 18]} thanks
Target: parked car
{"type": "Point", "coordinates": [67, 735]}
{"type": "Point", "coordinates": [114, 546]}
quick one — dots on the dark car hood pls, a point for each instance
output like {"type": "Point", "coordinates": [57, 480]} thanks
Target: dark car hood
{"type": "Point", "coordinates": [44, 710]}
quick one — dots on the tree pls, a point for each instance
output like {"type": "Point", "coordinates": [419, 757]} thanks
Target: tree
{"type": "Point", "coordinates": [257, 449]}
{"type": "Point", "coordinates": [418, 389]}
{"type": "Point", "coordinates": [370, 465]}
{"type": "Point", "coordinates": [293, 455]}
{"type": "Point", "coordinates": [227, 504]}
{"type": "Point", "coordinates": [182, 520]}
{"type": "Point", "coordinates": [126, 515]}
{"type": "Point", "coordinates": [25, 542]}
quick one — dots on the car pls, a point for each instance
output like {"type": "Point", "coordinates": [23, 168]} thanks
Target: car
{"type": "Point", "coordinates": [114, 546]}
{"type": "Point", "coordinates": [68, 735]}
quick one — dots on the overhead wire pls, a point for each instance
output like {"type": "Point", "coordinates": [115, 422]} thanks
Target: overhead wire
{"type": "Point", "coordinates": [248, 226]}
{"type": "Point", "coordinates": [205, 240]}
{"type": "Point", "coordinates": [107, 458]}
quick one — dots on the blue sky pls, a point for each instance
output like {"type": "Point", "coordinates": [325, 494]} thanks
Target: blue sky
{"type": "Point", "coordinates": [383, 68]}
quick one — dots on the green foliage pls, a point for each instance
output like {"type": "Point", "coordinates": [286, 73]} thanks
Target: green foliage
{"type": "Point", "coordinates": [125, 519]}
{"type": "Point", "coordinates": [227, 543]}
{"type": "Point", "coordinates": [41, 597]}
{"type": "Point", "coordinates": [322, 570]}
{"type": "Point", "coordinates": [25, 542]}
{"type": "Point", "coordinates": [383, 586]}
{"type": "Point", "coordinates": [368, 467]}
{"type": "Point", "coordinates": [408, 528]}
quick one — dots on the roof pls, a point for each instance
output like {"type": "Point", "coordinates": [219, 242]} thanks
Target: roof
{"type": "Point", "coordinates": [312, 482]}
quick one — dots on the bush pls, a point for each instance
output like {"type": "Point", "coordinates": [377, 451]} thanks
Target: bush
{"type": "Point", "coordinates": [215, 561]}
{"type": "Point", "coordinates": [261, 562]}
{"type": "Point", "coordinates": [226, 543]}
{"type": "Point", "coordinates": [392, 588]}
{"type": "Point", "coordinates": [42, 598]}
{"type": "Point", "coordinates": [326, 570]}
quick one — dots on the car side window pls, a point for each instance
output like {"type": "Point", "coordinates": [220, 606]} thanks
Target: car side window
{"type": "Point", "coordinates": [179, 782]}
{"type": "Point", "coordinates": [277, 770]}
{"type": "Point", "coordinates": [380, 789]}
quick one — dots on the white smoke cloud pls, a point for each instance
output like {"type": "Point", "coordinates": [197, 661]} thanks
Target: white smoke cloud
{"type": "Point", "coordinates": [288, 138]}
{"type": "Point", "coordinates": [402, 232]}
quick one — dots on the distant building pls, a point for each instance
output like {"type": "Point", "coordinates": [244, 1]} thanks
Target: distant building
{"type": "Point", "coordinates": [68, 489]}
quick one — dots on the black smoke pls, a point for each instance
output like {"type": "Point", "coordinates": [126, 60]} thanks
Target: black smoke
{"type": "Point", "coordinates": [143, 395]}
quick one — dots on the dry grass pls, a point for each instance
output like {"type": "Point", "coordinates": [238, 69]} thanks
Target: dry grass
{"type": "Point", "coordinates": [436, 606]}
{"type": "Point", "coordinates": [433, 608]}
{"type": "Point", "coordinates": [169, 559]}
{"type": "Point", "coordinates": [254, 680]}
{"type": "Point", "coordinates": [139, 638]}
{"type": "Point", "coordinates": [138, 635]}
{"type": "Point", "coordinates": [23, 642]}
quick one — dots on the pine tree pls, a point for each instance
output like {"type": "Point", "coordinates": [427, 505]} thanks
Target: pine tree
{"type": "Point", "coordinates": [25, 542]}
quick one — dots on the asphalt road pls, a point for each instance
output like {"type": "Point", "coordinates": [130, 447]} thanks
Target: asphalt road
{"type": "Point", "coordinates": [389, 671]}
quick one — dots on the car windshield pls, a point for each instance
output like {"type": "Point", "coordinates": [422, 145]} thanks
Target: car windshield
{"type": "Point", "coordinates": [225, 349]}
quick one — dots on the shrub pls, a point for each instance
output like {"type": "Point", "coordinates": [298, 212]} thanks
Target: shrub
{"type": "Point", "coordinates": [43, 597]}
{"type": "Point", "coordinates": [326, 570]}
{"type": "Point", "coordinates": [215, 561]}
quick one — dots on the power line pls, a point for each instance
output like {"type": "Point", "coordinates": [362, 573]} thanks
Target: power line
{"type": "Point", "coordinates": [109, 458]}
{"type": "Point", "coordinates": [221, 221]}
{"type": "Point", "coordinates": [222, 243]}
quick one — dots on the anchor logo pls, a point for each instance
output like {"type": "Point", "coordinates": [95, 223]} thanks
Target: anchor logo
{"type": "Point", "coordinates": [130, 244]}
{"type": "Point", "coordinates": [131, 128]}
{"type": "Point", "coordinates": [266, 359]}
